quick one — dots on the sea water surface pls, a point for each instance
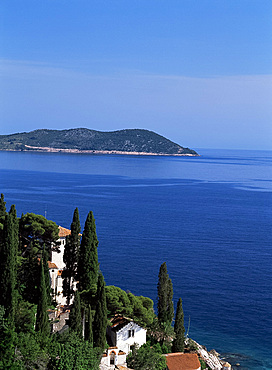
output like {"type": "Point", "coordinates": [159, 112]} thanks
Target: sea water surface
{"type": "Point", "coordinates": [208, 217]}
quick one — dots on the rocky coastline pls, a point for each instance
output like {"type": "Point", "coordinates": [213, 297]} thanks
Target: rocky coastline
{"type": "Point", "coordinates": [77, 151]}
{"type": "Point", "coordinates": [212, 358]}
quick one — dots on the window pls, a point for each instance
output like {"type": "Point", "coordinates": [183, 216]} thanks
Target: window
{"type": "Point", "coordinates": [112, 358]}
{"type": "Point", "coordinates": [131, 333]}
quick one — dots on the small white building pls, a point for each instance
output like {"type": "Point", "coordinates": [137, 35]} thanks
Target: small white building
{"type": "Point", "coordinates": [57, 257]}
{"type": "Point", "coordinates": [56, 266]}
{"type": "Point", "coordinates": [122, 335]}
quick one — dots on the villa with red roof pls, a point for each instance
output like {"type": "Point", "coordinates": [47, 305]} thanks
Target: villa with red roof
{"type": "Point", "coordinates": [56, 266]}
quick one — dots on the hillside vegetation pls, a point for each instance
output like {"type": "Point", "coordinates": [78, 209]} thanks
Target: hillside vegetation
{"type": "Point", "coordinates": [82, 139]}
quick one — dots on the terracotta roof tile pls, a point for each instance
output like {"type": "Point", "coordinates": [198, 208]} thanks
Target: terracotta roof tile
{"type": "Point", "coordinates": [118, 322]}
{"type": "Point", "coordinates": [182, 361]}
{"type": "Point", "coordinates": [63, 232]}
{"type": "Point", "coordinates": [52, 265]}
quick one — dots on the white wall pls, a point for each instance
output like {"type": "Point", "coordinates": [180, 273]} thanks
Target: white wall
{"type": "Point", "coordinates": [57, 258]}
{"type": "Point", "coordinates": [123, 341]}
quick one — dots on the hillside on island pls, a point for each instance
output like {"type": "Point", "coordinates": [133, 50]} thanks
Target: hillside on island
{"type": "Point", "coordinates": [128, 141]}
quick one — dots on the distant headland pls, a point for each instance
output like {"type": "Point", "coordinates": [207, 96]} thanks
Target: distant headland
{"type": "Point", "coordinates": [83, 140]}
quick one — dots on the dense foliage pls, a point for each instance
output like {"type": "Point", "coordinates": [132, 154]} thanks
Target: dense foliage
{"type": "Point", "coordinates": [70, 352]}
{"type": "Point", "coordinates": [146, 357]}
{"type": "Point", "coordinates": [25, 339]}
{"type": "Point", "coordinates": [138, 308]}
{"type": "Point", "coordinates": [42, 323]}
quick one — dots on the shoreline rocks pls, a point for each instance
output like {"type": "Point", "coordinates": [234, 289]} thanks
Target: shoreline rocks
{"type": "Point", "coordinates": [211, 358]}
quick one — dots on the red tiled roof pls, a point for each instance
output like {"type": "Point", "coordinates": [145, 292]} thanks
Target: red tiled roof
{"type": "Point", "coordinates": [118, 322]}
{"type": "Point", "coordinates": [52, 265]}
{"type": "Point", "coordinates": [63, 232]}
{"type": "Point", "coordinates": [182, 361]}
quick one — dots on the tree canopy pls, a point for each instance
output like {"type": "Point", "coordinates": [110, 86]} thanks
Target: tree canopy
{"type": "Point", "coordinates": [138, 308]}
{"type": "Point", "coordinates": [36, 230]}
{"type": "Point", "coordinates": [146, 357]}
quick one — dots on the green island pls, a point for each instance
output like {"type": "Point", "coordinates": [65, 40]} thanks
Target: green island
{"type": "Point", "coordinates": [83, 140]}
{"type": "Point", "coordinates": [36, 332]}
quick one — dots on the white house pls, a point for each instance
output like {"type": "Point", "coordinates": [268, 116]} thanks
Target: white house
{"type": "Point", "coordinates": [57, 257]}
{"type": "Point", "coordinates": [122, 335]}
{"type": "Point", "coordinates": [56, 266]}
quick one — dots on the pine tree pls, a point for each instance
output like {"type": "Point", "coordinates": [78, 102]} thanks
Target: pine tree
{"type": "Point", "coordinates": [178, 343]}
{"type": "Point", "coordinates": [70, 256]}
{"type": "Point", "coordinates": [89, 326]}
{"type": "Point", "coordinates": [87, 270]}
{"type": "Point", "coordinates": [75, 315]}
{"type": "Point", "coordinates": [42, 323]}
{"type": "Point", "coordinates": [100, 317]}
{"type": "Point", "coordinates": [165, 296]}
{"type": "Point", "coordinates": [8, 269]}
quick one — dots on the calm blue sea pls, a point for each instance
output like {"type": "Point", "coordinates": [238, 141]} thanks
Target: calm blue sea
{"type": "Point", "coordinates": [209, 218]}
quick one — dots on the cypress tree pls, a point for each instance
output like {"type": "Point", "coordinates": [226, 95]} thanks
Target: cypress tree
{"type": "Point", "coordinates": [29, 277]}
{"type": "Point", "coordinates": [178, 343]}
{"type": "Point", "coordinates": [75, 315]}
{"type": "Point", "coordinates": [2, 215]}
{"type": "Point", "coordinates": [170, 311]}
{"type": "Point", "coordinates": [42, 323]}
{"type": "Point", "coordinates": [100, 317]}
{"type": "Point", "coordinates": [2, 207]}
{"type": "Point", "coordinates": [87, 270]}
{"type": "Point", "coordinates": [8, 269]}
{"type": "Point", "coordinates": [89, 326]}
{"type": "Point", "coordinates": [15, 221]}
{"type": "Point", "coordinates": [70, 256]}
{"type": "Point", "coordinates": [47, 276]}
{"type": "Point", "coordinates": [165, 296]}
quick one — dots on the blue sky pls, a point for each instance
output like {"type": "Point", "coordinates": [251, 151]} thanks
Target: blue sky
{"type": "Point", "coordinates": [198, 72]}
